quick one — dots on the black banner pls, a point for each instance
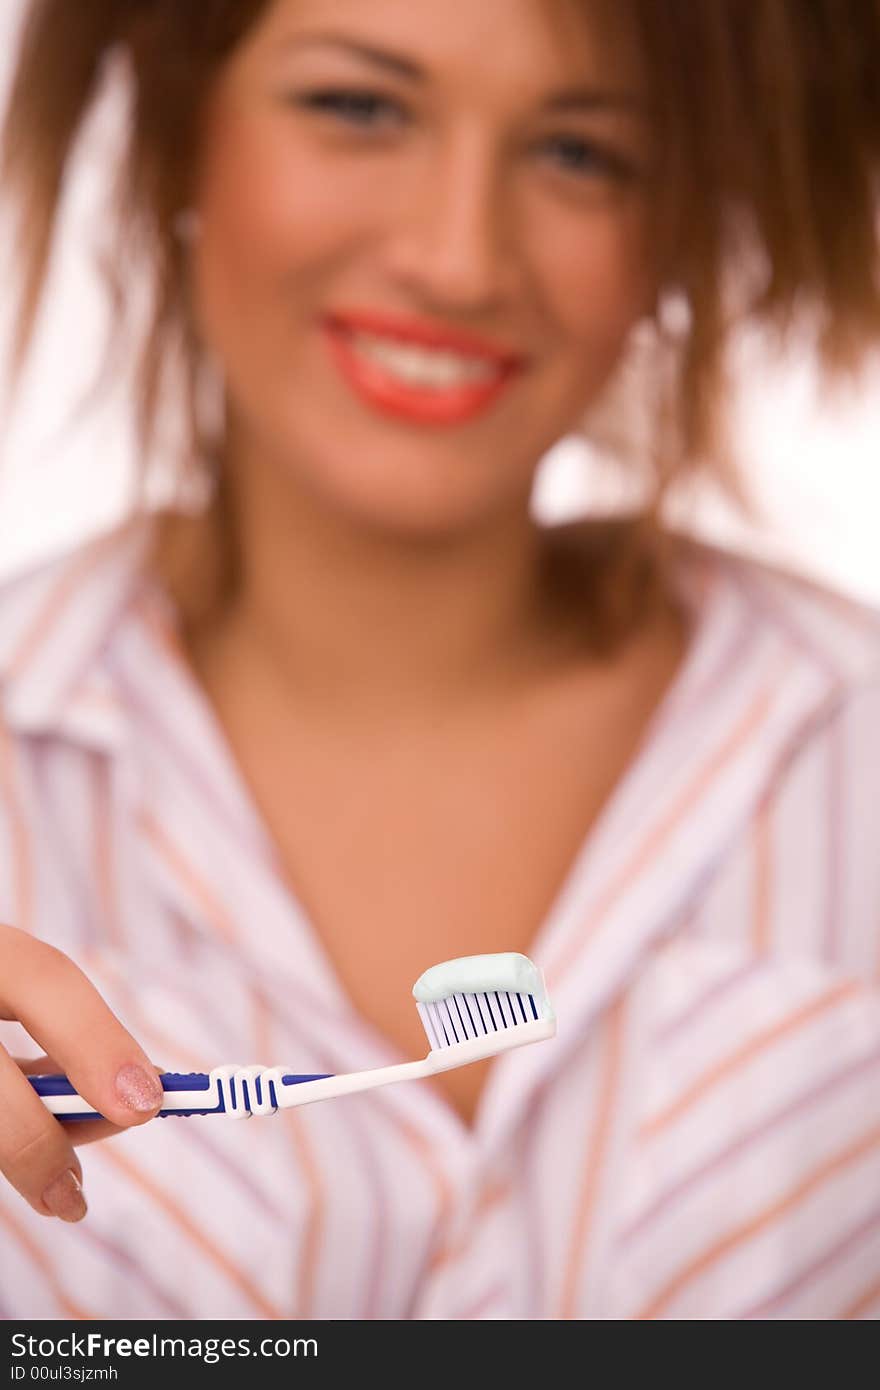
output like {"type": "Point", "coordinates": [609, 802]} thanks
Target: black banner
{"type": "Point", "coordinates": [140, 1353]}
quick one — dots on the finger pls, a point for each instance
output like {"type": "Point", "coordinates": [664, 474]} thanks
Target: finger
{"type": "Point", "coordinates": [35, 1154]}
{"type": "Point", "coordinates": [47, 1066]}
{"type": "Point", "coordinates": [37, 1066]}
{"type": "Point", "coordinates": [60, 1008]}
{"type": "Point", "coordinates": [78, 1132]}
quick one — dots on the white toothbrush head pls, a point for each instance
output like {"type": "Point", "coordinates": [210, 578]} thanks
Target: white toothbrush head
{"type": "Point", "coordinates": [476, 1006]}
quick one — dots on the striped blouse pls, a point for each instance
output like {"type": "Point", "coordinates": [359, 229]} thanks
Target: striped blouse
{"type": "Point", "coordinates": [700, 1140]}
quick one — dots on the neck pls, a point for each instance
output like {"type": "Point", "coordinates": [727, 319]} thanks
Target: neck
{"type": "Point", "coordinates": [327, 608]}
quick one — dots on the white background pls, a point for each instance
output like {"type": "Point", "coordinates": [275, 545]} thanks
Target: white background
{"type": "Point", "coordinates": [812, 464]}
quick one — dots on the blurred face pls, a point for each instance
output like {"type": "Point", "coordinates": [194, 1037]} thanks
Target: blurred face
{"type": "Point", "coordinates": [424, 244]}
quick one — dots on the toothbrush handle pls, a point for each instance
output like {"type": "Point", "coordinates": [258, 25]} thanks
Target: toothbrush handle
{"type": "Point", "coordinates": [61, 1097]}
{"type": "Point", "coordinates": [230, 1090]}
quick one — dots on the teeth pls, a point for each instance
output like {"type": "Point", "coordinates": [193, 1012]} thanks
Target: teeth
{"type": "Point", "coordinates": [422, 366]}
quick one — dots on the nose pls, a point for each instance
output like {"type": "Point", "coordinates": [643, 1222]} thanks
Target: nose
{"type": "Point", "coordinates": [451, 236]}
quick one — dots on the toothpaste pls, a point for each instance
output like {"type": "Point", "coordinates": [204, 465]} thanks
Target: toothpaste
{"type": "Point", "coordinates": [506, 972]}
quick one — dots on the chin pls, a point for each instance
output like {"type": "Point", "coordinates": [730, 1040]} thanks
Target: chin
{"type": "Point", "coordinates": [414, 520]}
{"type": "Point", "coordinates": [421, 499]}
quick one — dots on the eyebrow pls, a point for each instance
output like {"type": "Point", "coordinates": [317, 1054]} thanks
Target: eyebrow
{"type": "Point", "coordinates": [570, 99]}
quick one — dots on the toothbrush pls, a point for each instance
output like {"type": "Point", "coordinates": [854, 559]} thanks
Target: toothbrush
{"type": "Point", "coordinates": [471, 1007]}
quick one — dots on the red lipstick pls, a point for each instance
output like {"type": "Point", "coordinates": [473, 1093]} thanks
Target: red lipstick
{"type": "Point", "coordinates": [420, 331]}
{"type": "Point", "coordinates": [390, 393]}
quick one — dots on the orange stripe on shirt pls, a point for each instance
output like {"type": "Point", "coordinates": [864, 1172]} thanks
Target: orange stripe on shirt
{"type": "Point", "coordinates": [185, 1223]}
{"type": "Point", "coordinates": [597, 1144]}
{"type": "Point", "coordinates": [97, 698]}
{"type": "Point", "coordinates": [102, 849]}
{"type": "Point", "coordinates": [22, 866]}
{"type": "Point", "coordinates": [653, 841]}
{"type": "Point", "coordinates": [89, 558]}
{"type": "Point", "coordinates": [807, 1013]}
{"type": "Point", "coordinates": [44, 1264]}
{"type": "Point", "coordinates": [495, 1192]}
{"type": "Point", "coordinates": [163, 630]}
{"type": "Point", "coordinates": [194, 881]}
{"type": "Point", "coordinates": [762, 866]}
{"type": "Point", "coordinates": [758, 1223]}
{"type": "Point", "coordinates": [425, 1152]}
{"type": "Point", "coordinates": [172, 1053]}
{"type": "Point", "coordinates": [861, 1304]}
{"type": "Point", "coordinates": [307, 1166]}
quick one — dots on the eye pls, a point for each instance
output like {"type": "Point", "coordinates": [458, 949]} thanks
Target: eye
{"type": "Point", "coordinates": [584, 158]}
{"type": "Point", "coordinates": [357, 108]}
{"type": "Point", "coordinates": [367, 110]}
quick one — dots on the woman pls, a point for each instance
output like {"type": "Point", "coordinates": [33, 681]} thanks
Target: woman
{"type": "Point", "coordinates": [264, 764]}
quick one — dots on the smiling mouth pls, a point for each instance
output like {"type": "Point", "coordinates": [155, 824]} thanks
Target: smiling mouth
{"type": "Point", "coordinates": [458, 343]}
{"type": "Point", "coordinates": [418, 366]}
{"type": "Point", "coordinates": [404, 379]}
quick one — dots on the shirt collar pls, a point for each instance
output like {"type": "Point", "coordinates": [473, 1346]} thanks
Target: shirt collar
{"type": "Point", "coordinates": [58, 617]}
{"type": "Point", "coordinates": [56, 620]}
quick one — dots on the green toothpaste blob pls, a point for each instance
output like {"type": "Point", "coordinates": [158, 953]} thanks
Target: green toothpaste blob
{"type": "Point", "coordinates": [508, 971]}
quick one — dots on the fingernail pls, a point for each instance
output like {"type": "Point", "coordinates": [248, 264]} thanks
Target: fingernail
{"type": "Point", "coordinates": [138, 1090]}
{"type": "Point", "coordinates": [64, 1197]}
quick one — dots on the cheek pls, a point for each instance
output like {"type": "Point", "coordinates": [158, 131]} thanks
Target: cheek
{"type": "Point", "coordinates": [598, 277]}
{"type": "Point", "coordinates": [267, 204]}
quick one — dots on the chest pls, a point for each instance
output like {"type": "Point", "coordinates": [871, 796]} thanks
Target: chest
{"type": "Point", "coordinates": [391, 888]}
{"type": "Point", "coordinates": [404, 853]}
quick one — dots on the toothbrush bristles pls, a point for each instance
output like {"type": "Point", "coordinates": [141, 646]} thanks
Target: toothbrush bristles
{"type": "Point", "coordinates": [464, 1017]}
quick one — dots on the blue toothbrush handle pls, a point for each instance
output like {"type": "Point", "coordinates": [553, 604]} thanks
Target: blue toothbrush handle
{"type": "Point", "coordinates": [219, 1099]}
{"type": "Point", "coordinates": [50, 1086]}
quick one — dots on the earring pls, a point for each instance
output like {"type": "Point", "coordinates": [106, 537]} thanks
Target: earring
{"type": "Point", "coordinates": [187, 226]}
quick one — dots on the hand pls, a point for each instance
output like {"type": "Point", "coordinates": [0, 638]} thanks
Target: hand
{"type": "Point", "coordinates": [43, 989]}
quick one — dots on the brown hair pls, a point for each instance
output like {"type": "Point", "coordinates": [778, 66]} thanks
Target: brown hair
{"type": "Point", "coordinates": [768, 132]}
